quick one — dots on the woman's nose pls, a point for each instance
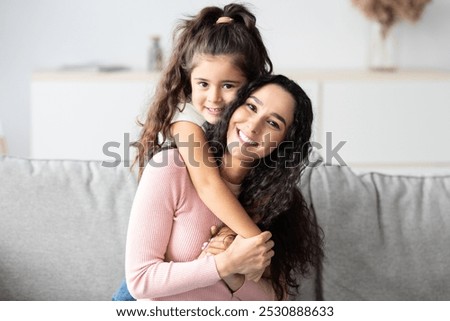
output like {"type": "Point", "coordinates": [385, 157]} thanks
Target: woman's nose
{"type": "Point", "coordinates": [253, 125]}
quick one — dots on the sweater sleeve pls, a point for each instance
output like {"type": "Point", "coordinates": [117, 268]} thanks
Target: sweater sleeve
{"type": "Point", "coordinates": [255, 291]}
{"type": "Point", "coordinates": [149, 231]}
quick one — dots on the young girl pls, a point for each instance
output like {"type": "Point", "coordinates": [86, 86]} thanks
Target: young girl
{"type": "Point", "coordinates": [215, 53]}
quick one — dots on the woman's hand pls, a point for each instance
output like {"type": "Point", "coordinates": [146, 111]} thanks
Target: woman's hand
{"type": "Point", "coordinates": [246, 256]}
{"type": "Point", "coordinates": [220, 241]}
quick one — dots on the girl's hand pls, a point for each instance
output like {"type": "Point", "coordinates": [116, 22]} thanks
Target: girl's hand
{"type": "Point", "coordinates": [220, 241]}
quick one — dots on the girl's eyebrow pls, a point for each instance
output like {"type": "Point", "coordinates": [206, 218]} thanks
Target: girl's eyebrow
{"type": "Point", "coordinates": [223, 81]}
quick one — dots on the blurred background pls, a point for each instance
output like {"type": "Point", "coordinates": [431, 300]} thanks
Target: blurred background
{"type": "Point", "coordinates": [73, 76]}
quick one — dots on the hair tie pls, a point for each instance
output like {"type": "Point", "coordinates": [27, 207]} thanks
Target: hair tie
{"type": "Point", "coordinates": [224, 20]}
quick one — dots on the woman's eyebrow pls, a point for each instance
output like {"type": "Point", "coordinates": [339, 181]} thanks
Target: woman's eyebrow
{"type": "Point", "coordinates": [279, 117]}
{"type": "Point", "coordinates": [259, 102]}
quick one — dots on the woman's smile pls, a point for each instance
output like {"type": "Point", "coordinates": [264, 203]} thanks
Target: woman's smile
{"type": "Point", "coordinates": [245, 139]}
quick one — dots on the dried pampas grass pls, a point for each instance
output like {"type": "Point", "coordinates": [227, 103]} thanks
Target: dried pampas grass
{"type": "Point", "coordinates": [388, 12]}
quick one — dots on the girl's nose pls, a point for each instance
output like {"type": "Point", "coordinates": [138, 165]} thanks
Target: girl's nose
{"type": "Point", "coordinates": [214, 95]}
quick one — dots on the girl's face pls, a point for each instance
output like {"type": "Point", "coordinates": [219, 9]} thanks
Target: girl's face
{"type": "Point", "coordinates": [260, 125]}
{"type": "Point", "coordinates": [215, 81]}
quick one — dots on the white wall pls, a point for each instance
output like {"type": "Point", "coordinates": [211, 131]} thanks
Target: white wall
{"type": "Point", "coordinates": [311, 34]}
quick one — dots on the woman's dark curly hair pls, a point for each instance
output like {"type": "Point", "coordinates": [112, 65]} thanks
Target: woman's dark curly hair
{"type": "Point", "coordinates": [271, 190]}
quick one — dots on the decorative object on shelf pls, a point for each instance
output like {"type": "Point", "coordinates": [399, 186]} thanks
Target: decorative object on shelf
{"type": "Point", "coordinates": [385, 14]}
{"type": "Point", "coordinates": [382, 55]}
{"type": "Point", "coordinates": [155, 55]}
{"type": "Point", "coordinates": [3, 149]}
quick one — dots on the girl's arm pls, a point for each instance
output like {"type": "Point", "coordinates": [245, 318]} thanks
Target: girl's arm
{"type": "Point", "coordinates": [205, 176]}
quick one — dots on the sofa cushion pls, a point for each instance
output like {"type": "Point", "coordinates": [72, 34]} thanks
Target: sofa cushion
{"type": "Point", "coordinates": [386, 237]}
{"type": "Point", "coordinates": [62, 228]}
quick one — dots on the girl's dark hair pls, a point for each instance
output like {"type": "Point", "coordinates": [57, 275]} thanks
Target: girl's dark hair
{"type": "Point", "coordinates": [270, 191]}
{"type": "Point", "coordinates": [201, 34]}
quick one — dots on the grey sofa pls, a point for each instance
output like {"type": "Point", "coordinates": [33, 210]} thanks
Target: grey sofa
{"type": "Point", "coordinates": [63, 227]}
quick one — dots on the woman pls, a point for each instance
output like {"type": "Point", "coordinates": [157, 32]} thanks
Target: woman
{"type": "Point", "coordinates": [261, 145]}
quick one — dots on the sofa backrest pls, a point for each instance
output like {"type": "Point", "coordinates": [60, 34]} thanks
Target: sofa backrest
{"type": "Point", "coordinates": [62, 228]}
{"type": "Point", "coordinates": [387, 237]}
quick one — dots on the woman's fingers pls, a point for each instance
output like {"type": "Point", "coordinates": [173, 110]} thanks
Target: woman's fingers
{"type": "Point", "coordinates": [265, 236]}
{"type": "Point", "coordinates": [238, 255]}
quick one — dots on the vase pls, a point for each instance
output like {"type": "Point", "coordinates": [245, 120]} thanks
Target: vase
{"type": "Point", "coordinates": [155, 55]}
{"type": "Point", "coordinates": [383, 48]}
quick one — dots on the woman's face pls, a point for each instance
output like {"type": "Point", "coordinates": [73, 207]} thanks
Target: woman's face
{"type": "Point", "coordinates": [258, 126]}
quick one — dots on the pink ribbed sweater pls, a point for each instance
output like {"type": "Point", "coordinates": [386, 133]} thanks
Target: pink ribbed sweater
{"type": "Point", "coordinates": [168, 225]}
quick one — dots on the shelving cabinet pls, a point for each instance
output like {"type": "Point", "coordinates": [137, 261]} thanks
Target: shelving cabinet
{"type": "Point", "coordinates": [392, 122]}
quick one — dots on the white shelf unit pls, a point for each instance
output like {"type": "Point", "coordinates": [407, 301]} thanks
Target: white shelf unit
{"type": "Point", "coordinates": [77, 115]}
{"type": "Point", "coordinates": [396, 122]}
{"type": "Point", "coordinates": [391, 122]}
